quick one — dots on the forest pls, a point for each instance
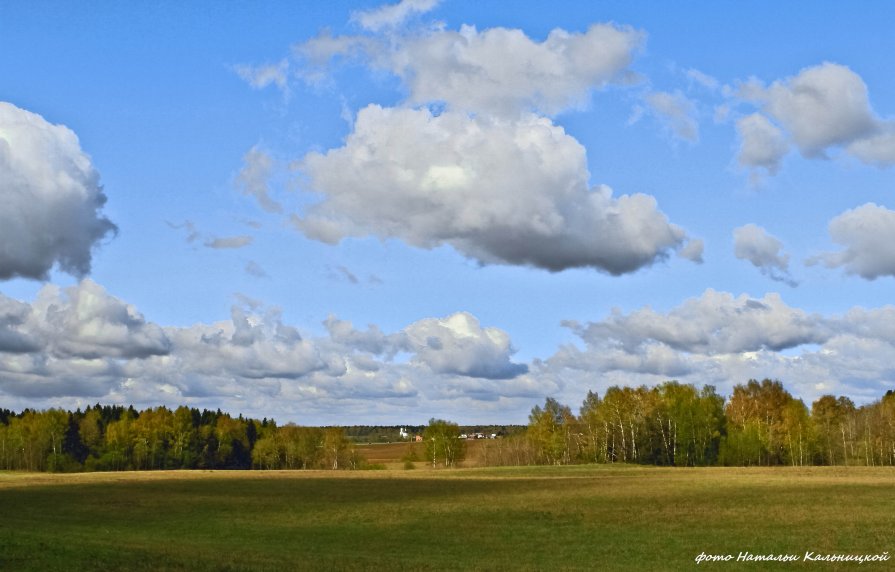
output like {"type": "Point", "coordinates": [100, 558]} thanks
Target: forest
{"type": "Point", "coordinates": [672, 424]}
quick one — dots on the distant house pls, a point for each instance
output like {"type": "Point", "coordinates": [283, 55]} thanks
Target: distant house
{"type": "Point", "coordinates": [418, 438]}
{"type": "Point", "coordinates": [403, 433]}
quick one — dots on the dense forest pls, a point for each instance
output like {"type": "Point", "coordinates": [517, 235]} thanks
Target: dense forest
{"type": "Point", "coordinates": [671, 424]}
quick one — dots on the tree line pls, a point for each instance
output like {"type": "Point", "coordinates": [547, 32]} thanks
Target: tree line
{"type": "Point", "coordinates": [115, 438]}
{"type": "Point", "coordinates": [675, 424]}
{"type": "Point", "coordinates": [671, 424]}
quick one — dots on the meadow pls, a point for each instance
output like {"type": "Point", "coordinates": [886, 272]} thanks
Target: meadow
{"type": "Point", "coordinates": [530, 518]}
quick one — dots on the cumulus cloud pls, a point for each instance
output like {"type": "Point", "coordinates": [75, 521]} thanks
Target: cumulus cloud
{"type": "Point", "coordinates": [762, 144]}
{"type": "Point", "coordinates": [511, 192]}
{"type": "Point", "coordinates": [81, 342]}
{"type": "Point", "coordinates": [866, 233]}
{"type": "Point", "coordinates": [822, 108]}
{"type": "Point", "coordinates": [676, 112]}
{"type": "Point", "coordinates": [254, 176]}
{"type": "Point", "coordinates": [722, 339]}
{"type": "Point", "coordinates": [84, 321]}
{"type": "Point", "coordinates": [459, 345]}
{"type": "Point", "coordinates": [693, 250]}
{"type": "Point", "coordinates": [52, 198]}
{"type": "Point", "coordinates": [71, 341]}
{"type": "Point", "coordinates": [764, 251]}
{"type": "Point", "coordinates": [714, 323]}
{"type": "Point", "coordinates": [471, 158]}
{"type": "Point", "coordinates": [503, 71]}
{"type": "Point", "coordinates": [498, 71]}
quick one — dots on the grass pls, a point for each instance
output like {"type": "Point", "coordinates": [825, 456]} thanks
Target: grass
{"type": "Point", "coordinates": [537, 518]}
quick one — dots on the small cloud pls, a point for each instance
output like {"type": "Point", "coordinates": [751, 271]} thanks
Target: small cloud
{"type": "Point", "coordinates": [753, 243]}
{"type": "Point", "coordinates": [703, 79]}
{"type": "Point", "coordinates": [192, 235]}
{"type": "Point", "coordinates": [253, 179]}
{"type": "Point", "coordinates": [342, 274]}
{"type": "Point", "coordinates": [866, 233]}
{"type": "Point", "coordinates": [260, 77]}
{"type": "Point", "coordinates": [228, 242]}
{"type": "Point", "coordinates": [391, 15]}
{"type": "Point", "coordinates": [762, 144]}
{"type": "Point", "coordinates": [252, 268]}
{"type": "Point", "coordinates": [676, 112]}
{"type": "Point", "coordinates": [692, 251]}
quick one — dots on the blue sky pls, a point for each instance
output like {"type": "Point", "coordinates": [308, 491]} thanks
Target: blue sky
{"type": "Point", "coordinates": [360, 212]}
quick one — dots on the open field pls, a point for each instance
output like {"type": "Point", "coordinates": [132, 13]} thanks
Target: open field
{"type": "Point", "coordinates": [533, 518]}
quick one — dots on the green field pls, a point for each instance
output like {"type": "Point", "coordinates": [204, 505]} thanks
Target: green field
{"type": "Point", "coordinates": [538, 518]}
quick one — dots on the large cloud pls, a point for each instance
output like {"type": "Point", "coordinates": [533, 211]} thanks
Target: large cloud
{"type": "Point", "coordinates": [471, 157]}
{"type": "Point", "coordinates": [722, 340]}
{"type": "Point", "coordinates": [51, 198]}
{"type": "Point", "coordinates": [82, 343]}
{"type": "Point", "coordinates": [78, 345]}
{"type": "Point", "coordinates": [764, 251]}
{"type": "Point", "coordinates": [714, 323]}
{"type": "Point", "coordinates": [867, 233]}
{"type": "Point", "coordinates": [512, 192]}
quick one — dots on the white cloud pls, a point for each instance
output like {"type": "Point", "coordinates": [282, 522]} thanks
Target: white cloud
{"type": "Point", "coordinates": [715, 323]}
{"type": "Point", "coordinates": [764, 251]}
{"type": "Point", "coordinates": [392, 15]}
{"type": "Point", "coordinates": [459, 345]}
{"type": "Point", "coordinates": [254, 176]}
{"type": "Point", "coordinates": [80, 344]}
{"type": "Point", "coordinates": [676, 112]}
{"type": "Point", "coordinates": [497, 191]}
{"type": "Point", "coordinates": [822, 108]}
{"type": "Point", "coordinates": [876, 149]}
{"type": "Point", "coordinates": [262, 76]}
{"type": "Point", "coordinates": [866, 233]}
{"type": "Point", "coordinates": [693, 250]}
{"type": "Point", "coordinates": [51, 196]}
{"type": "Point", "coordinates": [703, 79]}
{"type": "Point", "coordinates": [762, 144]}
{"type": "Point", "coordinates": [84, 321]}
{"type": "Point", "coordinates": [498, 71]}
{"type": "Point", "coordinates": [723, 340]}
{"type": "Point", "coordinates": [503, 71]}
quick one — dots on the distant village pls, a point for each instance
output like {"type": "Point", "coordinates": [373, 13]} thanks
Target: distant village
{"type": "Point", "coordinates": [469, 436]}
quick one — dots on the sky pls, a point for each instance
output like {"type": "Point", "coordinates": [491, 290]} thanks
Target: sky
{"type": "Point", "coordinates": [362, 213]}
